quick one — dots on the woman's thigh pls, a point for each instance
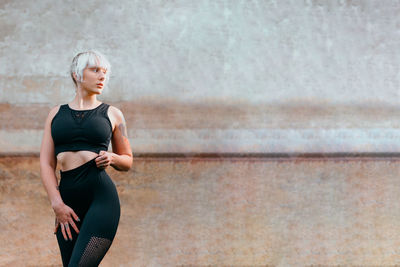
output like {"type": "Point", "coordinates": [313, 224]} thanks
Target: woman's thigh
{"type": "Point", "coordinates": [99, 226]}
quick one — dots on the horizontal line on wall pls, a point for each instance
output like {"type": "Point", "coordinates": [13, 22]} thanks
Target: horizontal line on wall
{"type": "Point", "coordinates": [268, 155]}
{"type": "Point", "coordinates": [290, 156]}
{"type": "Point", "coordinates": [256, 143]}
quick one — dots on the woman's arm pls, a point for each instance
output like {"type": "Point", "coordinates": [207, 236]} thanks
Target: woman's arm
{"type": "Point", "coordinates": [121, 158]}
{"type": "Point", "coordinates": [48, 164]}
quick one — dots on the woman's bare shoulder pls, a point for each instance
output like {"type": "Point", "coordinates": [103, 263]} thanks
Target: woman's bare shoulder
{"type": "Point", "coordinates": [116, 113]}
{"type": "Point", "coordinates": [52, 113]}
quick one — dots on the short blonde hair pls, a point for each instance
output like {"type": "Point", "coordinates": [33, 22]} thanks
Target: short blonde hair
{"type": "Point", "coordinates": [90, 58]}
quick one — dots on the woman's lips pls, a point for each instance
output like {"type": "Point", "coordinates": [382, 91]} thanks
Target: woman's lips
{"type": "Point", "coordinates": [100, 85]}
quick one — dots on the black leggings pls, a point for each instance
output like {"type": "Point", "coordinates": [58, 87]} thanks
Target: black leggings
{"type": "Point", "coordinates": [91, 193]}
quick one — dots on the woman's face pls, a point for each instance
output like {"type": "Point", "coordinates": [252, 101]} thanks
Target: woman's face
{"type": "Point", "coordinates": [94, 79]}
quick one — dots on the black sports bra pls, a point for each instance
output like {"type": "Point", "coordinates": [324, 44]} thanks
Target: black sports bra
{"type": "Point", "coordinates": [74, 130]}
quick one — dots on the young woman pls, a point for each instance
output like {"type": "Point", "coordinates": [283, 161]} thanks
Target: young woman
{"type": "Point", "coordinates": [77, 136]}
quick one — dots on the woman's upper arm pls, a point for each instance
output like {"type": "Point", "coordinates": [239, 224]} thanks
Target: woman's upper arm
{"type": "Point", "coordinates": [119, 140]}
{"type": "Point", "coordinates": [47, 155]}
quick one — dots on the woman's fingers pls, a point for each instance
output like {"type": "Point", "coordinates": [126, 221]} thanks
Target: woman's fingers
{"type": "Point", "coordinates": [100, 164]}
{"type": "Point", "coordinates": [68, 230]}
{"type": "Point", "coordinates": [65, 220]}
{"type": "Point", "coordinates": [75, 216]}
{"type": "Point", "coordinates": [103, 160]}
{"type": "Point", "coordinates": [73, 225]}
{"type": "Point", "coordinates": [71, 221]}
{"type": "Point", "coordinates": [63, 231]}
{"type": "Point", "coordinates": [56, 226]}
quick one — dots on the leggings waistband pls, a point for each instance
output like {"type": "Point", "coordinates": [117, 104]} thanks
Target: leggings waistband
{"type": "Point", "coordinates": [79, 169]}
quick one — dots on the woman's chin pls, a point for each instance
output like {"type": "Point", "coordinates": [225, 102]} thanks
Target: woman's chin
{"type": "Point", "coordinates": [94, 92]}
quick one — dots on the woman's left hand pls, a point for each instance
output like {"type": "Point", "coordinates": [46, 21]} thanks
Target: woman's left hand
{"type": "Point", "coordinates": [103, 160]}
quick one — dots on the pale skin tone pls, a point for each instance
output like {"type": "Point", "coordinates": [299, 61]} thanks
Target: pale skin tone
{"type": "Point", "coordinates": [120, 158]}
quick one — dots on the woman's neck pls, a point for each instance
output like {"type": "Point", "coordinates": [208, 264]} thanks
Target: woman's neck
{"type": "Point", "coordinates": [87, 102]}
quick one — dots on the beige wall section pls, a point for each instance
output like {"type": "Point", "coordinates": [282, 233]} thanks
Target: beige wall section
{"type": "Point", "coordinates": [304, 74]}
{"type": "Point", "coordinates": [216, 76]}
{"type": "Point", "coordinates": [252, 51]}
{"type": "Point", "coordinates": [222, 212]}
{"type": "Point", "coordinates": [176, 127]}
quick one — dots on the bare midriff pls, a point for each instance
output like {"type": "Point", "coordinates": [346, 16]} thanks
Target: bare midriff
{"type": "Point", "coordinates": [69, 160]}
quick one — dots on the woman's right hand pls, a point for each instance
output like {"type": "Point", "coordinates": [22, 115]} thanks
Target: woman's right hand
{"type": "Point", "coordinates": [64, 217]}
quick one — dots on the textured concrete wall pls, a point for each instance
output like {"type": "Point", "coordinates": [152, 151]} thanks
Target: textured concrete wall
{"type": "Point", "coordinates": [254, 51]}
{"type": "Point", "coordinates": [330, 68]}
{"type": "Point", "coordinates": [201, 76]}
{"type": "Point", "coordinates": [213, 212]}
{"type": "Point", "coordinates": [171, 127]}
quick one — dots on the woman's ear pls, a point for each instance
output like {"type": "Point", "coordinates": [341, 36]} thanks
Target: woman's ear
{"type": "Point", "coordinates": [75, 77]}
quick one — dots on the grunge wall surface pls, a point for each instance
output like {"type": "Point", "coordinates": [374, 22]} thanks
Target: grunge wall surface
{"type": "Point", "coordinates": [319, 66]}
{"type": "Point", "coordinates": [226, 79]}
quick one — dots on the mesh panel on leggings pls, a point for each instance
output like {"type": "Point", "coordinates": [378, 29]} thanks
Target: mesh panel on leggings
{"type": "Point", "coordinates": [94, 251]}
